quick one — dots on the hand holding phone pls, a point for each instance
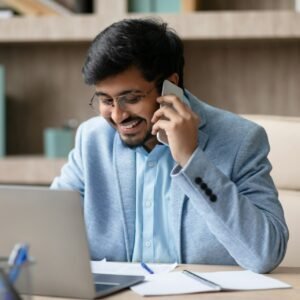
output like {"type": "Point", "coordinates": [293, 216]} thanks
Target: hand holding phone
{"type": "Point", "coordinates": [175, 123]}
{"type": "Point", "coordinates": [169, 88]}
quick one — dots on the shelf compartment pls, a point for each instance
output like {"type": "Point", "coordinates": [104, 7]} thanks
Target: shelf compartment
{"type": "Point", "coordinates": [190, 26]}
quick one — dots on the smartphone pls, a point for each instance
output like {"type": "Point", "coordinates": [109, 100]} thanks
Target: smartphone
{"type": "Point", "coordinates": [170, 88]}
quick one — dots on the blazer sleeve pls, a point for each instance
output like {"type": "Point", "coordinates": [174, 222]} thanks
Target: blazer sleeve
{"type": "Point", "coordinates": [242, 210]}
{"type": "Point", "coordinates": [71, 177]}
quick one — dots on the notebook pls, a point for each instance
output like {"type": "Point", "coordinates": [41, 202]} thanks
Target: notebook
{"type": "Point", "coordinates": [187, 282]}
{"type": "Point", "coordinates": [51, 222]}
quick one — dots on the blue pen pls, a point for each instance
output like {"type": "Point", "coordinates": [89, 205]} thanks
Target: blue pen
{"type": "Point", "coordinates": [144, 266]}
{"type": "Point", "coordinates": [14, 253]}
{"type": "Point", "coordinates": [20, 258]}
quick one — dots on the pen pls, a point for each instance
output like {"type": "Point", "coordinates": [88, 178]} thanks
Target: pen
{"type": "Point", "coordinates": [144, 266]}
{"type": "Point", "coordinates": [20, 257]}
{"type": "Point", "coordinates": [13, 254]}
{"type": "Point", "coordinates": [203, 280]}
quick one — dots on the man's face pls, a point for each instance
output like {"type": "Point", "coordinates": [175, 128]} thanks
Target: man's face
{"type": "Point", "coordinates": [127, 102]}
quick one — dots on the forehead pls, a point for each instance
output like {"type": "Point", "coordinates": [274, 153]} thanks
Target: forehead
{"type": "Point", "coordinates": [130, 79]}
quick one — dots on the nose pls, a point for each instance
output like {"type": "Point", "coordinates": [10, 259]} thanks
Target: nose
{"type": "Point", "coordinates": [118, 114]}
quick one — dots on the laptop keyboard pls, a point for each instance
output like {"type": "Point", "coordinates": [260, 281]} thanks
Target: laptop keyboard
{"type": "Point", "coordinates": [100, 287]}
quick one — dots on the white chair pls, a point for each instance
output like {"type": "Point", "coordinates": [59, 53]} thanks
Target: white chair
{"type": "Point", "coordinates": [284, 138]}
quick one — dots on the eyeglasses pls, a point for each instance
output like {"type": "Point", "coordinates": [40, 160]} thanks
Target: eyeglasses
{"type": "Point", "coordinates": [123, 101]}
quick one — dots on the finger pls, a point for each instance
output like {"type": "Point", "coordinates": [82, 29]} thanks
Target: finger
{"type": "Point", "coordinates": [174, 101]}
{"type": "Point", "coordinates": [161, 124]}
{"type": "Point", "coordinates": [165, 112]}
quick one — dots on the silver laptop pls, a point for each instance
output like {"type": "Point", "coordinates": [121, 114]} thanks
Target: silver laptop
{"type": "Point", "coordinates": [52, 223]}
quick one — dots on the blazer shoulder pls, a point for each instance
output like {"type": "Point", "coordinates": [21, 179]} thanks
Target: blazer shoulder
{"type": "Point", "coordinates": [95, 125]}
{"type": "Point", "coordinates": [225, 121]}
{"type": "Point", "coordinates": [215, 119]}
{"type": "Point", "coordinates": [95, 132]}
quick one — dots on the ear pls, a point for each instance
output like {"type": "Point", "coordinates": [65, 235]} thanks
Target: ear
{"type": "Point", "coordinates": [174, 78]}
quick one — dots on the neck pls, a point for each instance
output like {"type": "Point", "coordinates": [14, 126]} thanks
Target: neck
{"type": "Point", "coordinates": [150, 143]}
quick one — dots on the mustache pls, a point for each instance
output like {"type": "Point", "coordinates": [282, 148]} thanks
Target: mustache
{"type": "Point", "coordinates": [129, 119]}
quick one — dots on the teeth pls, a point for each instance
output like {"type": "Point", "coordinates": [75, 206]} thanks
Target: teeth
{"type": "Point", "coordinates": [131, 125]}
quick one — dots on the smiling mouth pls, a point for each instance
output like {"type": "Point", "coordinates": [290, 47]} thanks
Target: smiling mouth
{"type": "Point", "coordinates": [130, 127]}
{"type": "Point", "coordinates": [131, 124]}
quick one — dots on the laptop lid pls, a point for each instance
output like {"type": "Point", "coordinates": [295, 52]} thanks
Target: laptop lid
{"type": "Point", "coordinates": [52, 223]}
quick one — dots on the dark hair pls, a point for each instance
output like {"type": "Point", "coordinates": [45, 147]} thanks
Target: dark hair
{"type": "Point", "coordinates": [148, 44]}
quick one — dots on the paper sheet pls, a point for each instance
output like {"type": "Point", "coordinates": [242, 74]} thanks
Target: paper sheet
{"type": "Point", "coordinates": [170, 284]}
{"type": "Point", "coordinates": [178, 283]}
{"type": "Point", "coordinates": [244, 280]}
{"type": "Point", "coordinates": [106, 267]}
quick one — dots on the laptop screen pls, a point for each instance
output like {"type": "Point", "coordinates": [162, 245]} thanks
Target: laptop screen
{"type": "Point", "coordinates": [51, 222]}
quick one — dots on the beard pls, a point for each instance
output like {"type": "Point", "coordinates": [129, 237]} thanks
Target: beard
{"type": "Point", "coordinates": [132, 143]}
{"type": "Point", "coordinates": [131, 140]}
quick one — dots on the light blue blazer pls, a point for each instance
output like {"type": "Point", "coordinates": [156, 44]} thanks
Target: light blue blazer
{"type": "Point", "coordinates": [224, 207]}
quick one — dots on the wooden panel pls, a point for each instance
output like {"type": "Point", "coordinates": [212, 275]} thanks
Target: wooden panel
{"type": "Point", "coordinates": [249, 77]}
{"type": "Point", "coordinates": [44, 89]}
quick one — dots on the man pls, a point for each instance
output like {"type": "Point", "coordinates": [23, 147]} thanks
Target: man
{"type": "Point", "coordinates": [205, 198]}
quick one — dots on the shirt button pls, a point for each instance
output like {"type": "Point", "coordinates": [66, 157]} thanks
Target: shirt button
{"type": "Point", "coordinates": [148, 244]}
{"type": "Point", "coordinates": [148, 203]}
{"type": "Point", "coordinates": [151, 164]}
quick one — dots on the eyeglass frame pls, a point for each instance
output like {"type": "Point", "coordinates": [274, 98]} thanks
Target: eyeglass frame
{"type": "Point", "coordinates": [118, 99]}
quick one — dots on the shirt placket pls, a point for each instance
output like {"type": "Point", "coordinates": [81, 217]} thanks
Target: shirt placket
{"type": "Point", "coordinates": [148, 210]}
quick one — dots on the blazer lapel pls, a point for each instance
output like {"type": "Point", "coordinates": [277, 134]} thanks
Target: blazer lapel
{"type": "Point", "coordinates": [175, 216]}
{"type": "Point", "coordinates": [125, 169]}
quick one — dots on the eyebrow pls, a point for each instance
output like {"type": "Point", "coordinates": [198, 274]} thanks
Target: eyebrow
{"type": "Point", "coordinates": [99, 93]}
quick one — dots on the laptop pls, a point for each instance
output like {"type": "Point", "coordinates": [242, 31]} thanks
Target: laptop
{"type": "Point", "coordinates": [51, 222]}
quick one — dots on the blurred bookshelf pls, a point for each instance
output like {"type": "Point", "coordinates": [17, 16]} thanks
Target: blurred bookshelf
{"type": "Point", "coordinates": [182, 6]}
{"type": "Point", "coordinates": [196, 26]}
{"type": "Point", "coordinates": [241, 55]}
{"type": "Point", "coordinates": [46, 7]}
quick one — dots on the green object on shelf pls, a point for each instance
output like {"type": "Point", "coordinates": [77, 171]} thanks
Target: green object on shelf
{"type": "Point", "coordinates": [58, 142]}
{"type": "Point", "coordinates": [140, 5]}
{"type": "Point", "coordinates": [167, 6]}
{"type": "Point", "coordinates": [159, 6]}
{"type": "Point", "coordinates": [2, 113]}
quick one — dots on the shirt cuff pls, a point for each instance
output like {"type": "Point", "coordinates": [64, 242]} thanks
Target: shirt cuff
{"type": "Point", "coordinates": [177, 170]}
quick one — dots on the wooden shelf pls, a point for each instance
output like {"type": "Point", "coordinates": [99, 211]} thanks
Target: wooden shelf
{"type": "Point", "coordinates": [190, 26]}
{"type": "Point", "coordinates": [29, 170]}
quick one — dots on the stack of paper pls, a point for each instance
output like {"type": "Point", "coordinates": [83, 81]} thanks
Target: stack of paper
{"type": "Point", "coordinates": [105, 267]}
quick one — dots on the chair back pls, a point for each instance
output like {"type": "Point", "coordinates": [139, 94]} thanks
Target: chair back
{"type": "Point", "coordinates": [284, 139]}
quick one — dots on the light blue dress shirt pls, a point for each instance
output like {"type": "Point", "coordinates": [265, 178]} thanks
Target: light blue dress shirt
{"type": "Point", "coordinates": [153, 241]}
